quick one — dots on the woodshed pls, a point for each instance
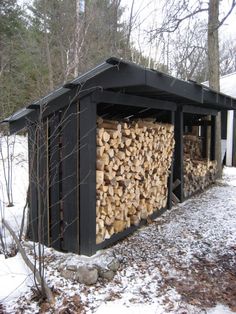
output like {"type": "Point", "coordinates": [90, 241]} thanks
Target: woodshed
{"type": "Point", "coordinates": [114, 148]}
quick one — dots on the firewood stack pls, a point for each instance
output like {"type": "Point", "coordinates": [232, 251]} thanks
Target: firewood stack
{"type": "Point", "coordinates": [133, 161]}
{"type": "Point", "coordinates": [192, 146]}
{"type": "Point", "coordinates": [198, 172]}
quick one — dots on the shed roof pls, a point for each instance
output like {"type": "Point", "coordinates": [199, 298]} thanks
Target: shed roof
{"type": "Point", "coordinates": [126, 77]}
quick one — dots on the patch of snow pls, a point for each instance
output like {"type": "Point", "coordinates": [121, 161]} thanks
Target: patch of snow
{"type": "Point", "coordinates": [118, 307]}
{"type": "Point", "coordinates": [15, 276]}
{"type": "Point", "coordinates": [19, 185]}
{"type": "Point", "coordinates": [220, 309]}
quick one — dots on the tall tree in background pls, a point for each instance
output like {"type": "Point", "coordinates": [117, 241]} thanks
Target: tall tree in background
{"type": "Point", "coordinates": [214, 67]}
{"type": "Point", "coordinates": [52, 42]}
{"type": "Point", "coordinates": [176, 14]}
{"type": "Point", "coordinates": [11, 23]}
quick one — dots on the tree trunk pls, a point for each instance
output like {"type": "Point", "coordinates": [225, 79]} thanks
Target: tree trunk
{"type": "Point", "coordinates": [213, 68]}
{"type": "Point", "coordinates": [77, 38]}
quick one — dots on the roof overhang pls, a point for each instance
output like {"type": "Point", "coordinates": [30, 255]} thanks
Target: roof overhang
{"type": "Point", "coordinates": [124, 77]}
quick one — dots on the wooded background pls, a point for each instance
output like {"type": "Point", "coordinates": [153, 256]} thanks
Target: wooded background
{"type": "Point", "coordinates": [46, 43]}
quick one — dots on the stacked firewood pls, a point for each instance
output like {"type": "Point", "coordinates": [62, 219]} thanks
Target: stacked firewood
{"type": "Point", "coordinates": [192, 146]}
{"type": "Point", "coordinates": [133, 161]}
{"type": "Point", "coordinates": [198, 172]}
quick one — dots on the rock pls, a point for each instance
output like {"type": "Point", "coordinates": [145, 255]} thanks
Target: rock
{"type": "Point", "coordinates": [106, 274]}
{"type": "Point", "coordinates": [114, 265]}
{"type": "Point", "coordinates": [71, 267]}
{"type": "Point", "coordinates": [87, 274]}
{"type": "Point", "coordinates": [68, 274]}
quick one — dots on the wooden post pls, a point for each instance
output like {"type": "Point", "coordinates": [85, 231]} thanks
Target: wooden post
{"type": "Point", "coordinates": [33, 198]}
{"type": "Point", "coordinates": [204, 140]}
{"type": "Point", "coordinates": [179, 155]}
{"type": "Point", "coordinates": [54, 180]}
{"type": "Point", "coordinates": [213, 138]}
{"type": "Point", "coordinates": [87, 153]}
{"type": "Point", "coordinates": [69, 184]}
{"type": "Point", "coordinates": [234, 140]}
{"type": "Point", "coordinates": [170, 179]}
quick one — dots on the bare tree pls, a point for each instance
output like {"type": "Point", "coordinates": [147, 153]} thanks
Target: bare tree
{"type": "Point", "coordinates": [214, 67]}
{"type": "Point", "coordinates": [7, 147]}
{"type": "Point", "coordinates": [176, 14]}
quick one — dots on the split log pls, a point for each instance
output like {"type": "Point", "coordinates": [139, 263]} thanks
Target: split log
{"type": "Point", "coordinates": [133, 162]}
{"type": "Point", "coordinates": [198, 172]}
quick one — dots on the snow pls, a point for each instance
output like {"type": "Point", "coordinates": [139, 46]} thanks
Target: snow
{"type": "Point", "coordinates": [14, 274]}
{"type": "Point", "coordinates": [19, 182]}
{"type": "Point", "coordinates": [184, 262]}
{"type": "Point", "coordinates": [117, 308]}
{"type": "Point", "coordinates": [16, 277]}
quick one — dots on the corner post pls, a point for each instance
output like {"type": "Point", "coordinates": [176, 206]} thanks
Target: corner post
{"type": "Point", "coordinates": [179, 154]}
{"type": "Point", "coordinates": [170, 179]}
{"type": "Point", "coordinates": [87, 175]}
{"type": "Point", "coordinates": [213, 138]}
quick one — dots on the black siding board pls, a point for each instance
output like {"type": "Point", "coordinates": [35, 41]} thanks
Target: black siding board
{"type": "Point", "coordinates": [87, 159]}
{"type": "Point", "coordinates": [43, 181]}
{"type": "Point", "coordinates": [33, 197]}
{"type": "Point", "coordinates": [69, 177]}
{"type": "Point", "coordinates": [54, 192]}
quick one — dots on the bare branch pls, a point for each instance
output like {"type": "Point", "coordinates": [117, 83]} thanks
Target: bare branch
{"type": "Point", "coordinates": [228, 14]}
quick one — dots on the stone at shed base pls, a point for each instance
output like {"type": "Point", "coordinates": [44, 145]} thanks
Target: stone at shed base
{"type": "Point", "coordinates": [68, 274]}
{"type": "Point", "coordinates": [87, 275]}
{"type": "Point", "coordinates": [114, 265]}
{"type": "Point", "coordinates": [106, 274]}
{"type": "Point", "coordinates": [86, 270]}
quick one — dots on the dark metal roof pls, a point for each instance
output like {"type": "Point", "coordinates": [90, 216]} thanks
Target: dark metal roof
{"type": "Point", "coordinates": [123, 76]}
{"type": "Point", "coordinates": [60, 91]}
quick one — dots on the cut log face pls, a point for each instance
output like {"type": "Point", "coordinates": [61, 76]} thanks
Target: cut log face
{"type": "Point", "coordinates": [133, 162]}
{"type": "Point", "coordinates": [198, 172]}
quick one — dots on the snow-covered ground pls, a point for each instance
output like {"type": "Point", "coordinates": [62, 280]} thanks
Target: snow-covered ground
{"type": "Point", "coordinates": [184, 262]}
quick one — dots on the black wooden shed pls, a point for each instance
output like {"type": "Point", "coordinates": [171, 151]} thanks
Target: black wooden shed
{"type": "Point", "coordinates": [62, 143]}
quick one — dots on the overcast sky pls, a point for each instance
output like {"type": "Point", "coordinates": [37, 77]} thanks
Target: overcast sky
{"type": "Point", "coordinates": [148, 12]}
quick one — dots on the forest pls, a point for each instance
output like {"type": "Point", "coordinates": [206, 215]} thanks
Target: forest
{"type": "Point", "coordinates": [44, 44]}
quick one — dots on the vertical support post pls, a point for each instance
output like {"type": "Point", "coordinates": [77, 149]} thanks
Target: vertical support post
{"type": "Point", "coordinates": [213, 138]}
{"type": "Point", "coordinates": [204, 140]}
{"type": "Point", "coordinates": [69, 184]}
{"type": "Point", "coordinates": [229, 141]}
{"type": "Point", "coordinates": [170, 179]}
{"type": "Point", "coordinates": [54, 180]}
{"type": "Point", "coordinates": [179, 154]}
{"type": "Point", "coordinates": [234, 140]}
{"type": "Point", "coordinates": [87, 153]}
{"type": "Point", "coordinates": [43, 181]}
{"type": "Point", "coordinates": [33, 197]}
